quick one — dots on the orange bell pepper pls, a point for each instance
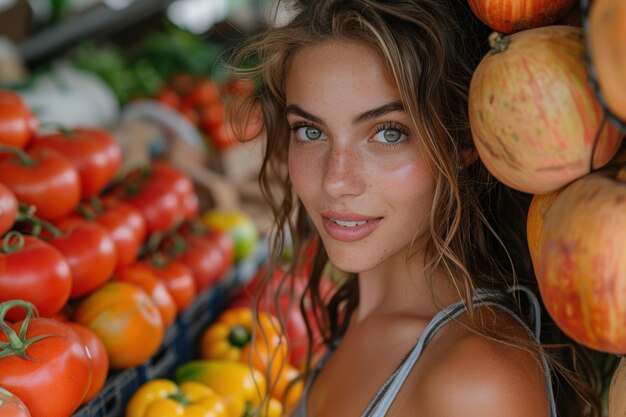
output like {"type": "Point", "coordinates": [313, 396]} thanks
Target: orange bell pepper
{"type": "Point", "coordinates": [231, 338]}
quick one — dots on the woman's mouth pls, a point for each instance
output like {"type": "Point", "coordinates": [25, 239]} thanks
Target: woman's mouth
{"type": "Point", "coordinates": [348, 224]}
{"type": "Point", "coordinates": [349, 227]}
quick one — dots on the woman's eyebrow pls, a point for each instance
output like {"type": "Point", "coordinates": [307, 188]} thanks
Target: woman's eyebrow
{"type": "Point", "coordinates": [293, 109]}
{"type": "Point", "coordinates": [367, 115]}
{"type": "Point", "coordinates": [379, 111]}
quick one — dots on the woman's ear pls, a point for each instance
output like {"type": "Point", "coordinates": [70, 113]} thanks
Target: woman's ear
{"type": "Point", "coordinates": [469, 155]}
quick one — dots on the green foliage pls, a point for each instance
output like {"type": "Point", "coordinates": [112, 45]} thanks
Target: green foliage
{"type": "Point", "coordinates": [159, 56]}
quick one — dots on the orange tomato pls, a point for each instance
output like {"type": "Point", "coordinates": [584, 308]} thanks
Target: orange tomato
{"type": "Point", "coordinates": [154, 287]}
{"type": "Point", "coordinates": [126, 320]}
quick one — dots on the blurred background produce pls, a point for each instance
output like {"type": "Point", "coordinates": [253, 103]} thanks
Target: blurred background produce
{"type": "Point", "coordinates": [127, 101]}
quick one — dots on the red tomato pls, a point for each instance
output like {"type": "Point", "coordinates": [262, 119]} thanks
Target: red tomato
{"type": "Point", "coordinates": [182, 83]}
{"type": "Point", "coordinates": [190, 204]}
{"type": "Point", "coordinates": [225, 243]}
{"type": "Point", "coordinates": [89, 251]}
{"type": "Point", "coordinates": [18, 125]}
{"type": "Point", "coordinates": [126, 227]}
{"type": "Point", "coordinates": [94, 152]}
{"type": "Point", "coordinates": [222, 136]}
{"type": "Point", "coordinates": [240, 86]}
{"type": "Point", "coordinates": [177, 278]}
{"type": "Point", "coordinates": [232, 128]}
{"type": "Point", "coordinates": [204, 91]}
{"type": "Point", "coordinates": [54, 377]}
{"type": "Point", "coordinates": [8, 209]}
{"type": "Point", "coordinates": [220, 238]}
{"type": "Point", "coordinates": [11, 405]}
{"type": "Point", "coordinates": [191, 114]}
{"type": "Point", "coordinates": [37, 272]}
{"type": "Point", "coordinates": [181, 183]}
{"type": "Point", "coordinates": [212, 116]}
{"type": "Point", "coordinates": [99, 360]}
{"type": "Point", "coordinates": [205, 260]}
{"type": "Point", "coordinates": [125, 319]}
{"type": "Point", "coordinates": [45, 179]}
{"type": "Point", "coordinates": [168, 97]}
{"type": "Point", "coordinates": [123, 222]}
{"type": "Point", "coordinates": [158, 203]}
{"type": "Point", "coordinates": [154, 287]}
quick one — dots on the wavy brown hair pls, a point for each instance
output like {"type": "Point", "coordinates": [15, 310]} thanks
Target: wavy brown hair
{"type": "Point", "coordinates": [477, 225]}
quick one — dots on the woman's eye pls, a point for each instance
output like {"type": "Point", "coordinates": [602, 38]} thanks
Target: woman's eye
{"type": "Point", "coordinates": [309, 133]}
{"type": "Point", "coordinates": [390, 136]}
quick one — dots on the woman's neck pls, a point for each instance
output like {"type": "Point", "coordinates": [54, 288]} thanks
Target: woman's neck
{"type": "Point", "coordinates": [401, 287]}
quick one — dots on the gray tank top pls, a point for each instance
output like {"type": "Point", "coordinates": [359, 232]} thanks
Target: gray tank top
{"type": "Point", "coordinates": [379, 405]}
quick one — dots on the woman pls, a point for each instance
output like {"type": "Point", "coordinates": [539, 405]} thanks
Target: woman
{"type": "Point", "coordinates": [366, 103]}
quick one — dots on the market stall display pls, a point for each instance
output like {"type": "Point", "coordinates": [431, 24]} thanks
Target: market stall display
{"type": "Point", "coordinates": [134, 234]}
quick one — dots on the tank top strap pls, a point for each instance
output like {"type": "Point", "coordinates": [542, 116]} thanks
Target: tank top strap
{"type": "Point", "coordinates": [482, 297]}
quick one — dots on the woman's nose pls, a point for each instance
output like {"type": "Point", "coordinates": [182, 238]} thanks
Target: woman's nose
{"type": "Point", "coordinates": [343, 172]}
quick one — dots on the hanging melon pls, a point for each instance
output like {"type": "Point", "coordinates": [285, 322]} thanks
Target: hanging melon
{"type": "Point", "coordinates": [607, 42]}
{"type": "Point", "coordinates": [533, 115]}
{"type": "Point", "coordinates": [582, 267]}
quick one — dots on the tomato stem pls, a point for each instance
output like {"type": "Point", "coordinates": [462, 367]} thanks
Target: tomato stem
{"type": "Point", "coordinates": [7, 246]}
{"type": "Point", "coordinates": [179, 245]}
{"type": "Point", "coordinates": [18, 343]}
{"type": "Point", "coordinates": [158, 260]}
{"type": "Point", "coordinates": [197, 227]}
{"type": "Point", "coordinates": [96, 204]}
{"type": "Point", "coordinates": [26, 215]}
{"type": "Point", "coordinates": [86, 211]}
{"type": "Point", "coordinates": [24, 158]}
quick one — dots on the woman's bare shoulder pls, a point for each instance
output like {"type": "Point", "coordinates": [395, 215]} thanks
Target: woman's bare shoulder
{"type": "Point", "coordinates": [465, 374]}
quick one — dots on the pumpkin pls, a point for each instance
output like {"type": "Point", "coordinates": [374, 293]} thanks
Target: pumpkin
{"type": "Point", "coordinates": [607, 44]}
{"type": "Point", "coordinates": [539, 205]}
{"type": "Point", "coordinates": [582, 267]}
{"type": "Point", "coordinates": [508, 16]}
{"type": "Point", "coordinates": [533, 115]}
{"type": "Point", "coordinates": [617, 399]}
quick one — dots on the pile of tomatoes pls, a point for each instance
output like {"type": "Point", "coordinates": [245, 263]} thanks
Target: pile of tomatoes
{"type": "Point", "coordinates": [94, 263]}
{"type": "Point", "coordinates": [206, 104]}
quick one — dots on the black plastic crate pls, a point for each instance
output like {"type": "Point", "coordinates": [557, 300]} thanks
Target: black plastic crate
{"type": "Point", "coordinates": [165, 359]}
{"type": "Point", "coordinates": [111, 401]}
{"type": "Point", "coordinates": [195, 318]}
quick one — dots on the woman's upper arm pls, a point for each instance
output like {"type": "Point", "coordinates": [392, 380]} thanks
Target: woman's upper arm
{"type": "Point", "coordinates": [479, 377]}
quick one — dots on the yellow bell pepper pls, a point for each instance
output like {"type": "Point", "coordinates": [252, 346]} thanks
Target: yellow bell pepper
{"type": "Point", "coordinates": [288, 387]}
{"type": "Point", "coordinates": [163, 398]}
{"type": "Point", "coordinates": [230, 338]}
{"type": "Point", "coordinates": [240, 386]}
{"type": "Point", "coordinates": [272, 408]}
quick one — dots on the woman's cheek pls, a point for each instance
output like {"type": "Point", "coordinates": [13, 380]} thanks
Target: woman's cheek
{"type": "Point", "coordinates": [300, 172]}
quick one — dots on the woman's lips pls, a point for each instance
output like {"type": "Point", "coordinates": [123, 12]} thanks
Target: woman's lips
{"type": "Point", "coordinates": [349, 228]}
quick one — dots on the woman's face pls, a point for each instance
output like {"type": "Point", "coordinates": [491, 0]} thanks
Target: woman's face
{"type": "Point", "coordinates": [354, 160]}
